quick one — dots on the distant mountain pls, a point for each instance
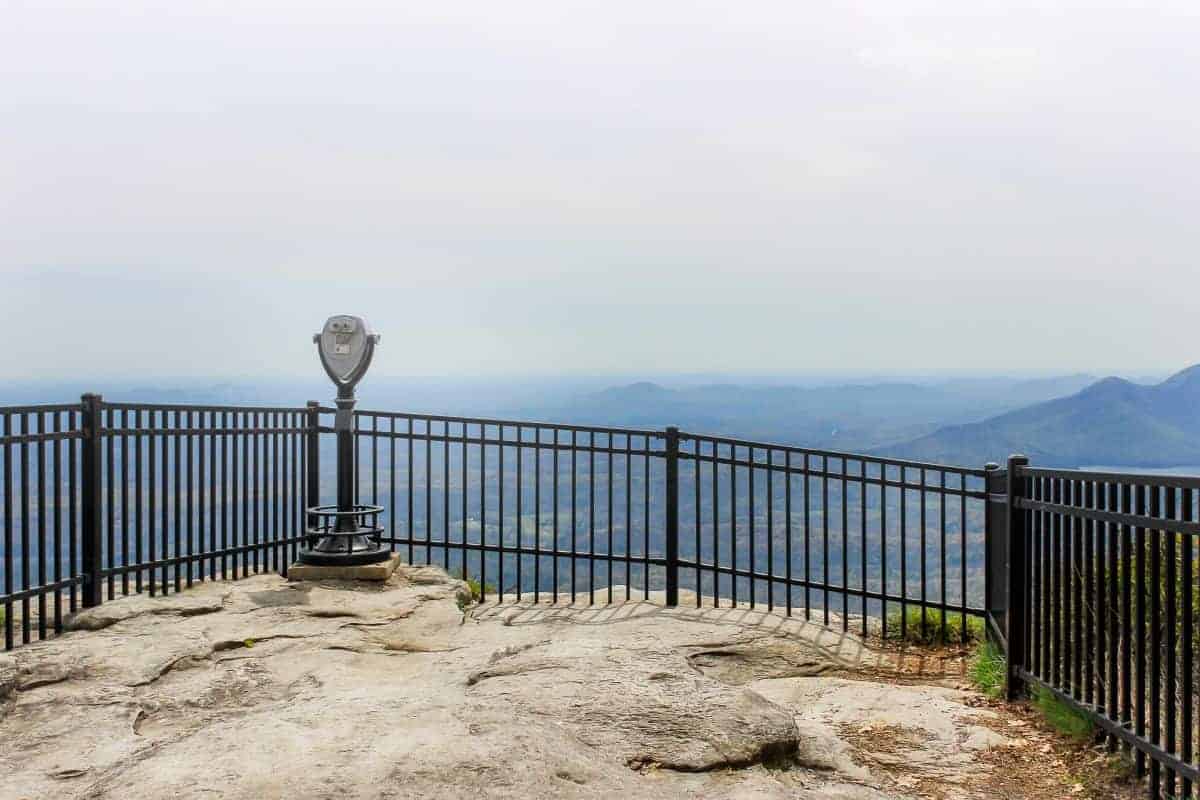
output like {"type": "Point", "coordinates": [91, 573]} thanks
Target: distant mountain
{"type": "Point", "coordinates": [855, 416]}
{"type": "Point", "coordinates": [848, 417]}
{"type": "Point", "coordinates": [1112, 421]}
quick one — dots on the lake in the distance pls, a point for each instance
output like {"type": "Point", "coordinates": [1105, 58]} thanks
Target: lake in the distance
{"type": "Point", "coordinates": [1188, 470]}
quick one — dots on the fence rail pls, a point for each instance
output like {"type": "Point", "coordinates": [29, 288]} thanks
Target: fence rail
{"type": "Point", "coordinates": [1087, 579]}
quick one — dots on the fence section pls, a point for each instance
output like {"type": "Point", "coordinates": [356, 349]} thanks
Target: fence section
{"type": "Point", "coordinates": [156, 497]}
{"type": "Point", "coordinates": [1105, 570]}
{"type": "Point", "coordinates": [525, 508]}
{"type": "Point", "coordinates": [190, 493]}
{"type": "Point", "coordinates": [545, 509]}
{"type": "Point", "coordinates": [834, 534]}
{"type": "Point", "coordinates": [39, 501]}
{"type": "Point", "coordinates": [105, 499]}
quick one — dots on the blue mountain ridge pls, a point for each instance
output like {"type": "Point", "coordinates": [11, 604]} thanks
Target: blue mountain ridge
{"type": "Point", "coordinates": [1113, 421]}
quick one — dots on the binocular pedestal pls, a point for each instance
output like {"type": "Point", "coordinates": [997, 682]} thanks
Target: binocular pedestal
{"type": "Point", "coordinates": [347, 534]}
{"type": "Point", "coordinates": [343, 537]}
{"type": "Point", "coordinates": [354, 553]}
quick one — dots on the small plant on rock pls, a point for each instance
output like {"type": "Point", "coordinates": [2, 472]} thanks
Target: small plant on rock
{"type": "Point", "coordinates": [987, 669]}
{"type": "Point", "coordinates": [476, 590]}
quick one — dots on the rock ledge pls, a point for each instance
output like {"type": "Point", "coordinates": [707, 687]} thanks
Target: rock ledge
{"type": "Point", "coordinates": [267, 689]}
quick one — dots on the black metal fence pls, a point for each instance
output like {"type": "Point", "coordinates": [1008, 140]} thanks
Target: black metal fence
{"type": "Point", "coordinates": [1104, 601]}
{"type": "Point", "coordinates": [196, 492]}
{"type": "Point", "coordinates": [833, 533]}
{"type": "Point", "coordinates": [548, 509]}
{"type": "Point", "coordinates": [39, 501]}
{"type": "Point", "coordinates": [526, 508]}
{"type": "Point", "coordinates": [105, 499]}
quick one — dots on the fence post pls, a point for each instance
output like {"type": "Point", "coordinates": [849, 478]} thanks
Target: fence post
{"type": "Point", "coordinates": [672, 521]}
{"type": "Point", "coordinates": [90, 510]}
{"type": "Point", "coordinates": [995, 553]}
{"type": "Point", "coordinates": [312, 445]}
{"type": "Point", "coordinates": [1018, 595]}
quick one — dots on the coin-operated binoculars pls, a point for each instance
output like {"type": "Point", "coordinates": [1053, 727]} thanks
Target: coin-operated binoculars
{"type": "Point", "coordinates": [346, 534]}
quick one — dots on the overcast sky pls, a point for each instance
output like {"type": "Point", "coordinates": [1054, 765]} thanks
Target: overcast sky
{"type": "Point", "coordinates": [553, 187]}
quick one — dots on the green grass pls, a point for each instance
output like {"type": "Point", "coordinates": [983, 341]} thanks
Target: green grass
{"type": "Point", "coordinates": [927, 630]}
{"type": "Point", "coordinates": [1061, 716]}
{"type": "Point", "coordinates": [477, 589]}
{"type": "Point", "coordinates": [987, 669]}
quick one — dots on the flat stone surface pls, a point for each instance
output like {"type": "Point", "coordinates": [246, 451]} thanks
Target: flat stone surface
{"type": "Point", "coordinates": [380, 571]}
{"type": "Point", "coordinates": [265, 688]}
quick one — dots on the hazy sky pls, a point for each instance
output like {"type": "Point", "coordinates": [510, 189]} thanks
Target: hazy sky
{"type": "Point", "coordinates": [599, 187]}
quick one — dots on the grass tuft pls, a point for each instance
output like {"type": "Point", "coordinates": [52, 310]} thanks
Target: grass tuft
{"type": "Point", "coordinates": [477, 589]}
{"type": "Point", "coordinates": [927, 629]}
{"type": "Point", "coordinates": [987, 669]}
{"type": "Point", "coordinates": [1061, 716]}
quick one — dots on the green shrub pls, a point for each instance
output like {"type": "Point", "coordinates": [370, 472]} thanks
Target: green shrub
{"type": "Point", "coordinates": [926, 629]}
{"type": "Point", "coordinates": [1062, 717]}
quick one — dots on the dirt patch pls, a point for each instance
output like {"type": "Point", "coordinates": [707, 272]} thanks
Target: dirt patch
{"type": "Point", "coordinates": [887, 749]}
{"type": "Point", "coordinates": [1041, 762]}
{"type": "Point", "coordinates": [1038, 763]}
{"type": "Point", "coordinates": [872, 740]}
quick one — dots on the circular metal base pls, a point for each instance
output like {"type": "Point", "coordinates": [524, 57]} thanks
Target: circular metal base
{"type": "Point", "coordinates": [344, 537]}
{"type": "Point", "coordinates": [318, 557]}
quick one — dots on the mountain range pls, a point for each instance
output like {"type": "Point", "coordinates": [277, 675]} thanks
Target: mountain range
{"type": "Point", "coordinates": [1068, 420]}
{"type": "Point", "coordinates": [851, 417]}
{"type": "Point", "coordinates": [1112, 421]}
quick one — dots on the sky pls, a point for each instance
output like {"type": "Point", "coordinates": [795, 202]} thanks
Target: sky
{"type": "Point", "coordinates": [556, 187]}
